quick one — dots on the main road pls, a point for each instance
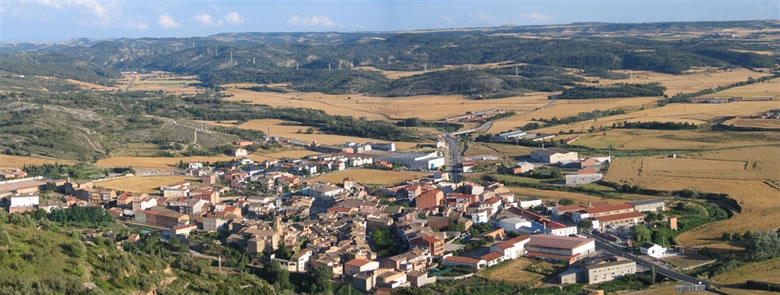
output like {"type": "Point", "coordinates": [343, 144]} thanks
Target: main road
{"type": "Point", "coordinates": [453, 145]}
{"type": "Point", "coordinates": [661, 269]}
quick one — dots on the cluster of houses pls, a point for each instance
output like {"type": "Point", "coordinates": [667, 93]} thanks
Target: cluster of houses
{"type": "Point", "coordinates": [335, 222]}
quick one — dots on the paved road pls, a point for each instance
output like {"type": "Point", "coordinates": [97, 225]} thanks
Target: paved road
{"type": "Point", "coordinates": [660, 269]}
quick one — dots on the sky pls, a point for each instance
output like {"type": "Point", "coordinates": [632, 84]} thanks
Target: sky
{"type": "Point", "coordinates": [60, 20]}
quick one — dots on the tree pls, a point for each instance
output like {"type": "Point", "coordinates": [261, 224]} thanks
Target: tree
{"type": "Point", "coordinates": [282, 251]}
{"type": "Point", "coordinates": [322, 280]}
{"type": "Point", "coordinates": [747, 235]}
{"type": "Point", "coordinates": [585, 225]}
{"type": "Point", "coordinates": [566, 202]}
{"type": "Point", "coordinates": [280, 276]}
{"type": "Point", "coordinates": [726, 237]}
{"type": "Point", "coordinates": [736, 236]}
{"type": "Point", "coordinates": [641, 234]}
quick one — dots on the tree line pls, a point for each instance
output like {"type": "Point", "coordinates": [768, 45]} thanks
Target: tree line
{"type": "Point", "coordinates": [655, 125]}
{"type": "Point", "coordinates": [613, 91]}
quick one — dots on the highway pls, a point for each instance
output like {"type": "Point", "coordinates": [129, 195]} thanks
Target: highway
{"type": "Point", "coordinates": [660, 269]}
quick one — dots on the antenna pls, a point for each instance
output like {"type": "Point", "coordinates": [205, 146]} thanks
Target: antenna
{"type": "Point", "coordinates": [517, 73]}
{"type": "Point", "coordinates": [231, 58]}
{"type": "Point", "coordinates": [328, 66]}
{"type": "Point", "coordinates": [296, 65]}
{"type": "Point", "coordinates": [253, 60]}
{"type": "Point", "coordinates": [425, 68]}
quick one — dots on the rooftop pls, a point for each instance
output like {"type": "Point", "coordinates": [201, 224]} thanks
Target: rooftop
{"type": "Point", "coordinates": [461, 259]}
{"type": "Point", "coordinates": [491, 256]}
{"type": "Point", "coordinates": [550, 151]}
{"type": "Point", "coordinates": [609, 208]}
{"type": "Point", "coordinates": [557, 242]}
{"type": "Point", "coordinates": [621, 216]}
{"type": "Point", "coordinates": [358, 262]}
{"type": "Point", "coordinates": [646, 202]}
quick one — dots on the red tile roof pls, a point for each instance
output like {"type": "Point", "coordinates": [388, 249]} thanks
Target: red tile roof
{"type": "Point", "coordinates": [358, 262]}
{"type": "Point", "coordinates": [491, 256]}
{"type": "Point", "coordinates": [511, 242]}
{"type": "Point", "coordinates": [461, 259]}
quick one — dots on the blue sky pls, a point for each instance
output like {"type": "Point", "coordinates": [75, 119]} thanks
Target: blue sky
{"type": "Point", "coordinates": [58, 20]}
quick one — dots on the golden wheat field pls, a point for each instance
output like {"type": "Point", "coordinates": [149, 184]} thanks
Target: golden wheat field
{"type": "Point", "coordinates": [691, 113]}
{"type": "Point", "coordinates": [371, 176]}
{"type": "Point", "coordinates": [768, 88]}
{"type": "Point", "coordinates": [141, 184]}
{"type": "Point", "coordinates": [754, 123]}
{"type": "Point", "coordinates": [284, 129]}
{"type": "Point", "coordinates": [7, 161]}
{"type": "Point", "coordinates": [686, 83]}
{"type": "Point", "coordinates": [567, 108]}
{"type": "Point", "coordinates": [765, 271]}
{"type": "Point", "coordinates": [754, 185]}
{"type": "Point", "coordinates": [429, 107]}
{"type": "Point", "coordinates": [673, 140]}
{"type": "Point", "coordinates": [164, 162]}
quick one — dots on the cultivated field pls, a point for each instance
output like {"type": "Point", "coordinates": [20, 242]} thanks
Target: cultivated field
{"type": "Point", "coordinates": [691, 113]}
{"type": "Point", "coordinates": [429, 107]}
{"type": "Point", "coordinates": [765, 271]}
{"type": "Point", "coordinates": [514, 271]}
{"type": "Point", "coordinates": [371, 176]}
{"type": "Point", "coordinates": [285, 129]}
{"type": "Point", "coordinates": [164, 162]}
{"type": "Point", "coordinates": [141, 184]}
{"type": "Point", "coordinates": [7, 161]}
{"type": "Point", "coordinates": [768, 88]}
{"type": "Point", "coordinates": [754, 123]}
{"type": "Point", "coordinates": [753, 184]}
{"type": "Point", "coordinates": [685, 83]}
{"type": "Point", "coordinates": [571, 107]}
{"type": "Point", "coordinates": [674, 140]}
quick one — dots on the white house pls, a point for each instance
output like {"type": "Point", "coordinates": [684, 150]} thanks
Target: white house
{"type": "Point", "coordinates": [416, 160]}
{"type": "Point", "coordinates": [480, 216]}
{"type": "Point", "coordinates": [325, 191]}
{"type": "Point", "coordinates": [512, 248]}
{"type": "Point", "coordinates": [491, 205]}
{"type": "Point", "coordinates": [511, 223]}
{"type": "Point", "coordinates": [239, 152]}
{"type": "Point", "coordinates": [513, 135]}
{"type": "Point", "coordinates": [24, 201]}
{"type": "Point", "coordinates": [530, 202]}
{"type": "Point", "coordinates": [652, 250]}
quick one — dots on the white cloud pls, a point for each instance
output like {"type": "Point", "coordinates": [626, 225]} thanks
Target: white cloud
{"type": "Point", "coordinates": [166, 21]}
{"type": "Point", "coordinates": [138, 24]}
{"type": "Point", "coordinates": [447, 19]}
{"type": "Point", "coordinates": [206, 20]}
{"type": "Point", "coordinates": [536, 16]}
{"type": "Point", "coordinates": [93, 7]}
{"type": "Point", "coordinates": [234, 18]}
{"type": "Point", "coordinates": [314, 21]}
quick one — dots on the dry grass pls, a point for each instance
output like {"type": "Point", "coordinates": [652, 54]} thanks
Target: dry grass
{"type": "Point", "coordinates": [768, 88]}
{"type": "Point", "coordinates": [691, 113]}
{"type": "Point", "coordinates": [284, 129]}
{"type": "Point", "coordinates": [514, 272]}
{"type": "Point", "coordinates": [686, 83]}
{"type": "Point", "coordinates": [568, 108]}
{"type": "Point", "coordinates": [752, 184]}
{"type": "Point", "coordinates": [155, 162]}
{"type": "Point", "coordinates": [141, 184]}
{"type": "Point", "coordinates": [87, 85]}
{"type": "Point", "coordinates": [7, 161]}
{"type": "Point", "coordinates": [497, 149]}
{"type": "Point", "coordinates": [754, 123]}
{"type": "Point", "coordinates": [430, 107]}
{"type": "Point", "coordinates": [765, 271]}
{"type": "Point", "coordinates": [644, 139]}
{"type": "Point", "coordinates": [371, 176]}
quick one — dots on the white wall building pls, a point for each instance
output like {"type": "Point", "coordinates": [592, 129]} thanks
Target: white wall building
{"type": "Point", "coordinates": [553, 155]}
{"type": "Point", "coordinates": [24, 201]}
{"type": "Point", "coordinates": [526, 203]}
{"type": "Point", "coordinates": [652, 250]}
{"type": "Point", "coordinates": [480, 216]}
{"type": "Point", "coordinates": [416, 160]}
{"type": "Point", "coordinates": [577, 179]}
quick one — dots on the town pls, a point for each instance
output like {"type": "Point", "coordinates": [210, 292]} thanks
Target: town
{"type": "Point", "coordinates": [376, 238]}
